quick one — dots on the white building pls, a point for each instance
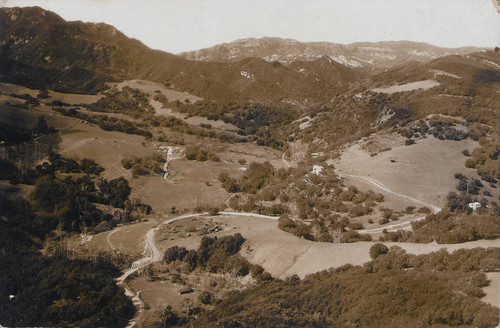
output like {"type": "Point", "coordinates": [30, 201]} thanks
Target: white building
{"type": "Point", "coordinates": [475, 205]}
{"type": "Point", "coordinates": [317, 169]}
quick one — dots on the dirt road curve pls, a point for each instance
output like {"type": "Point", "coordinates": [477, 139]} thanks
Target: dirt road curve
{"type": "Point", "coordinates": [379, 185]}
{"type": "Point", "coordinates": [155, 254]}
{"type": "Point", "coordinates": [396, 226]}
{"type": "Point", "coordinates": [287, 163]}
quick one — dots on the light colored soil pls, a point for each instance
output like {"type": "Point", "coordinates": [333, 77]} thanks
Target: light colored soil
{"type": "Point", "coordinates": [194, 120]}
{"type": "Point", "coordinates": [157, 295]}
{"type": "Point", "coordinates": [493, 290]}
{"type": "Point", "coordinates": [128, 239]}
{"type": "Point", "coordinates": [424, 171]}
{"type": "Point", "coordinates": [162, 111]}
{"type": "Point", "coordinates": [73, 99]}
{"type": "Point", "coordinates": [150, 88]}
{"type": "Point", "coordinates": [427, 84]}
{"type": "Point", "coordinates": [438, 72]}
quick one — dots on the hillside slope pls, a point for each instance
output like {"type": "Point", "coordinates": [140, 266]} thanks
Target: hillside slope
{"type": "Point", "coordinates": [39, 49]}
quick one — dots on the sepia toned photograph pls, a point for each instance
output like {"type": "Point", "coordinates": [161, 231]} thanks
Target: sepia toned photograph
{"type": "Point", "coordinates": [234, 163]}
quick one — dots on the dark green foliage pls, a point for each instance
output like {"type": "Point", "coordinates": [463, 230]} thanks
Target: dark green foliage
{"type": "Point", "coordinates": [205, 297]}
{"type": "Point", "coordinates": [441, 289]}
{"type": "Point", "coordinates": [13, 135]}
{"type": "Point", "coordinates": [7, 170]}
{"type": "Point", "coordinates": [127, 100]}
{"type": "Point", "coordinates": [52, 291]}
{"type": "Point", "coordinates": [107, 123]}
{"type": "Point", "coordinates": [42, 127]}
{"type": "Point", "coordinates": [488, 75]}
{"type": "Point", "coordinates": [114, 192]}
{"type": "Point", "coordinates": [57, 291]}
{"type": "Point", "coordinates": [450, 228]}
{"type": "Point", "coordinates": [256, 176]}
{"type": "Point", "coordinates": [377, 250]}
{"type": "Point", "coordinates": [257, 120]}
{"type": "Point", "coordinates": [170, 318]}
{"type": "Point", "coordinates": [68, 202]}
{"type": "Point", "coordinates": [214, 255]}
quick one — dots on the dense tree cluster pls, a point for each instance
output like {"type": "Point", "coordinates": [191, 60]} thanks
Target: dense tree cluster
{"type": "Point", "coordinates": [152, 164]}
{"type": "Point", "coordinates": [386, 292]}
{"type": "Point", "coordinates": [440, 129]}
{"type": "Point", "coordinates": [257, 175]}
{"type": "Point", "coordinates": [127, 100]}
{"type": "Point", "coordinates": [39, 290]}
{"type": "Point", "coordinates": [450, 228]}
{"type": "Point", "coordinates": [217, 255]}
{"type": "Point", "coordinates": [486, 159]}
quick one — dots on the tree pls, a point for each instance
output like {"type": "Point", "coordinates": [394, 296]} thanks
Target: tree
{"type": "Point", "coordinates": [377, 250]}
{"type": "Point", "coordinates": [205, 297]}
{"type": "Point", "coordinates": [41, 126]}
{"type": "Point", "coordinates": [43, 93]}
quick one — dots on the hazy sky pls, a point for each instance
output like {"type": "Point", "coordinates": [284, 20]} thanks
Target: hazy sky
{"type": "Point", "coordinates": [182, 25]}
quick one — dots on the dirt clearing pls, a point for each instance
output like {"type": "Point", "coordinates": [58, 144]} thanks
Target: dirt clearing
{"type": "Point", "coordinates": [424, 85]}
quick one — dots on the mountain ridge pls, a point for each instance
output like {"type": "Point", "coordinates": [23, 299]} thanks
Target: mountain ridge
{"type": "Point", "coordinates": [368, 55]}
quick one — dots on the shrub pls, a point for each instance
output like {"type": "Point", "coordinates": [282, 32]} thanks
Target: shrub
{"type": "Point", "coordinates": [377, 250]}
{"type": "Point", "coordinates": [383, 221]}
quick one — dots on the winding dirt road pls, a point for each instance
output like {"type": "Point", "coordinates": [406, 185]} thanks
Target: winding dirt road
{"type": "Point", "coordinates": [396, 226]}
{"type": "Point", "coordinates": [155, 255]}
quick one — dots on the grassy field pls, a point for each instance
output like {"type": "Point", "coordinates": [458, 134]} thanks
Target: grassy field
{"type": "Point", "coordinates": [424, 171]}
{"type": "Point", "coordinates": [8, 89]}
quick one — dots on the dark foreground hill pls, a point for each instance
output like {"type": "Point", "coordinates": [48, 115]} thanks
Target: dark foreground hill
{"type": "Point", "coordinates": [40, 49]}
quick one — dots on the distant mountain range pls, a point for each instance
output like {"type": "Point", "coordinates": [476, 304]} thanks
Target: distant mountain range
{"type": "Point", "coordinates": [379, 55]}
{"type": "Point", "coordinates": [40, 49]}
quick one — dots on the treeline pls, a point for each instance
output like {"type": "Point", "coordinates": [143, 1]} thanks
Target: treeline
{"type": "Point", "coordinates": [69, 202]}
{"type": "Point", "coordinates": [12, 134]}
{"type": "Point", "coordinates": [385, 292]}
{"type": "Point", "coordinates": [196, 153]}
{"type": "Point", "coordinates": [106, 123]}
{"type": "Point", "coordinates": [440, 129]}
{"type": "Point", "coordinates": [20, 173]}
{"type": "Point", "coordinates": [451, 228]}
{"type": "Point", "coordinates": [135, 103]}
